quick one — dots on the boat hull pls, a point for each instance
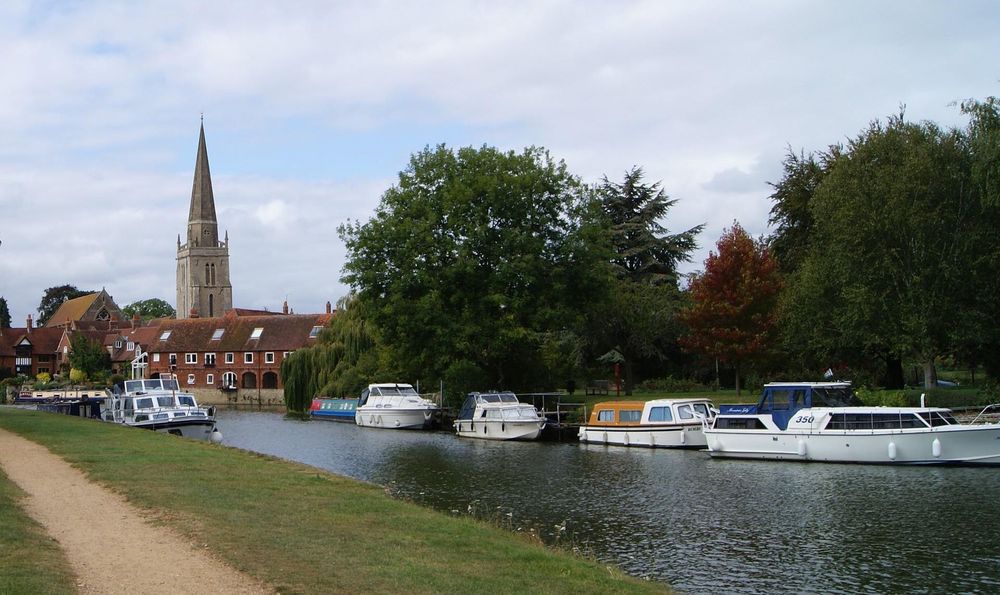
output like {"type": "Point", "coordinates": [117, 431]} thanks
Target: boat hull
{"type": "Point", "coordinates": [499, 430]}
{"type": "Point", "coordinates": [963, 445]}
{"type": "Point", "coordinates": [395, 419]}
{"type": "Point", "coordinates": [665, 436]}
{"type": "Point", "coordinates": [198, 429]}
{"type": "Point", "coordinates": [334, 409]}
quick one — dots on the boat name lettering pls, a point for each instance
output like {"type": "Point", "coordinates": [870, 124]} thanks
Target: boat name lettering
{"type": "Point", "coordinates": [805, 419]}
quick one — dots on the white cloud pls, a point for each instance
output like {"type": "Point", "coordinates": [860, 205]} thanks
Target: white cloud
{"type": "Point", "coordinates": [98, 122]}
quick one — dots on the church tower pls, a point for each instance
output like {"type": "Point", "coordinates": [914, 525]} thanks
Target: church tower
{"type": "Point", "coordinates": [203, 287]}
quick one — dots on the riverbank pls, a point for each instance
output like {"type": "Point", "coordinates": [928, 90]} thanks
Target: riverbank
{"type": "Point", "coordinates": [302, 530]}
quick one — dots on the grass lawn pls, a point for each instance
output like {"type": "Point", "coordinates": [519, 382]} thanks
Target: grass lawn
{"type": "Point", "coordinates": [300, 529]}
{"type": "Point", "coordinates": [30, 561]}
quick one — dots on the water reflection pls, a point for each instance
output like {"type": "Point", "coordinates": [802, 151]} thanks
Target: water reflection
{"type": "Point", "coordinates": [702, 525]}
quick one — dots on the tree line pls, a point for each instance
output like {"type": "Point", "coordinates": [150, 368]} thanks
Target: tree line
{"type": "Point", "coordinates": [485, 269]}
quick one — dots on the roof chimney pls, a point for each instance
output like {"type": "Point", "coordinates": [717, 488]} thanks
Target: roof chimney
{"type": "Point", "coordinates": [284, 307]}
{"type": "Point", "coordinates": [194, 313]}
{"type": "Point", "coordinates": [29, 323]}
{"type": "Point", "coordinates": [136, 321]}
{"type": "Point", "coordinates": [329, 308]}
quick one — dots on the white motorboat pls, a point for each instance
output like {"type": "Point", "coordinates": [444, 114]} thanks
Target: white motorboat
{"type": "Point", "coordinates": [660, 423]}
{"type": "Point", "coordinates": [395, 406]}
{"type": "Point", "coordinates": [498, 416]}
{"type": "Point", "coordinates": [158, 404]}
{"type": "Point", "coordinates": [824, 421]}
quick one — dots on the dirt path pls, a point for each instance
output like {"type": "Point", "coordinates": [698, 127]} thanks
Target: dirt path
{"type": "Point", "coordinates": [116, 551]}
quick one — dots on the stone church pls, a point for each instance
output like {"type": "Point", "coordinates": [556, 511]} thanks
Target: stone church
{"type": "Point", "coordinates": [203, 286]}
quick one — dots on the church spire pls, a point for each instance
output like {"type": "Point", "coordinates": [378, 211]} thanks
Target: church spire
{"type": "Point", "coordinates": [203, 229]}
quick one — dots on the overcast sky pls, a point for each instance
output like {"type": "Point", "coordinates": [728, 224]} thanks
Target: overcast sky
{"type": "Point", "coordinates": [312, 108]}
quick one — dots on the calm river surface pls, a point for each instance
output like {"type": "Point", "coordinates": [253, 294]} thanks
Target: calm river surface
{"type": "Point", "coordinates": [701, 525]}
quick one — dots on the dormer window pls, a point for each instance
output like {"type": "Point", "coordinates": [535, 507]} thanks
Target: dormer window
{"type": "Point", "coordinates": [130, 346]}
{"type": "Point", "coordinates": [217, 335]}
{"type": "Point", "coordinates": [118, 344]}
{"type": "Point", "coordinates": [315, 332]}
{"type": "Point", "coordinates": [257, 332]}
{"type": "Point", "coordinates": [165, 335]}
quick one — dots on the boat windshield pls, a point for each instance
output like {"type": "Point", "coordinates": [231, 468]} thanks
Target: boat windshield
{"type": "Point", "coordinates": [834, 396]}
{"type": "Point", "coordinates": [394, 391]}
{"type": "Point", "coordinates": [165, 401]}
{"type": "Point", "coordinates": [498, 398]}
{"type": "Point", "coordinates": [187, 400]}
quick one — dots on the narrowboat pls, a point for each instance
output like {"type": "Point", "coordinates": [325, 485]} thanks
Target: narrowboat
{"type": "Point", "coordinates": [333, 409]}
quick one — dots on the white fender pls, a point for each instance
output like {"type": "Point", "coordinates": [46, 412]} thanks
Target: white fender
{"type": "Point", "coordinates": [604, 437]}
{"type": "Point", "coordinates": [892, 451]}
{"type": "Point", "coordinates": [936, 448]}
{"type": "Point", "coordinates": [625, 438]}
{"type": "Point", "coordinates": [683, 436]}
{"type": "Point", "coordinates": [802, 448]}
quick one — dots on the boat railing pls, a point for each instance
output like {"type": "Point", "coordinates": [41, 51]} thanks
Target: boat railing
{"type": "Point", "coordinates": [983, 412]}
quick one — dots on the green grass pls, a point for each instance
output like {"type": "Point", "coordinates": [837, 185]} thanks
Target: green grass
{"type": "Point", "coordinates": [304, 530]}
{"type": "Point", "coordinates": [30, 561]}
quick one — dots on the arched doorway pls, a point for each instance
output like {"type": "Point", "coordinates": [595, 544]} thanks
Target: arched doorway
{"type": "Point", "coordinates": [249, 380]}
{"type": "Point", "coordinates": [270, 380]}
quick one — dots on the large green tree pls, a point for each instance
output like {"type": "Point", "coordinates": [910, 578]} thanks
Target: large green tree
{"type": "Point", "coordinates": [639, 319]}
{"type": "Point", "coordinates": [149, 309]}
{"type": "Point", "coordinates": [4, 314]}
{"type": "Point", "coordinates": [54, 297]}
{"type": "Point", "coordinates": [88, 355]}
{"type": "Point", "coordinates": [471, 261]}
{"type": "Point", "coordinates": [897, 226]}
{"type": "Point", "coordinates": [791, 214]}
{"type": "Point", "coordinates": [733, 309]}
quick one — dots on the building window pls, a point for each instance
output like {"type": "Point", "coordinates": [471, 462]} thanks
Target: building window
{"type": "Point", "coordinates": [165, 335]}
{"type": "Point", "coordinates": [173, 359]}
{"type": "Point", "coordinates": [248, 357]}
{"type": "Point", "coordinates": [269, 357]}
{"type": "Point", "coordinates": [229, 380]}
{"type": "Point", "coordinates": [156, 357]}
{"type": "Point", "coordinates": [190, 358]}
{"type": "Point", "coordinates": [130, 346]}
{"type": "Point", "coordinates": [118, 344]}
{"type": "Point", "coordinates": [217, 335]}
{"type": "Point", "coordinates": [209, 359]}
{"type": "Point", "coordinates": [190, 378]}
{"type": "Point", "coordinates": [257, 332]}
{"type": "Point", "coordinates": [285, 355]}
{"type": "Point", "coordinates": [315, 332]}
{"type": "Point", "coordinates": [210, 379]}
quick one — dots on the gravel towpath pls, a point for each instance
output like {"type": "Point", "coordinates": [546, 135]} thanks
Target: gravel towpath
{"type": "Point", "coordinates": [115, 551]}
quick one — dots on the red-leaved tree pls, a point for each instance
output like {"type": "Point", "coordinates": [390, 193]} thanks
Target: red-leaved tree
{"type": "Point", "coordinates": [732, 315]}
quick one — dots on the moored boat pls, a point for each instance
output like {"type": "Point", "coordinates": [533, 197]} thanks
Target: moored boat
{"type": "Point", "coordinates": [394, 406]}
{"type": "Point", "coordinates": [824, 421]}
{"type": "Point", "coordinates": [158, 404]}
{"type": "Point", "coordinates": [498, 416]}
{"type": "Point", "coordinates": [333, 409]}
{"type": "Point", "coordinates": [660, 423]}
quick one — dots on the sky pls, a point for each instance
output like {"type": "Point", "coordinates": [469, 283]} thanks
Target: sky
{"type": "Point", "coordinates": [312, 108]}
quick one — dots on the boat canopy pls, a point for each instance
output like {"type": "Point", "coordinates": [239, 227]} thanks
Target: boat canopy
{"type": "Point", "coordinates": [783, 400]}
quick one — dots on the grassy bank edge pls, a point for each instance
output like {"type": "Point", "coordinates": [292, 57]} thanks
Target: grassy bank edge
{"type": "Point", "coordinates": [303, 530]}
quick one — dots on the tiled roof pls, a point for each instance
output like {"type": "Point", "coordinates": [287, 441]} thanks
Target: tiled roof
{"type": "Point", "coordinates": [71, 309]}
{"type": "Point", "coordinates": [143, 336]}
{"type": "Point", "coordinates": [281, 332]}
{"type": "Point", "coordinates": [43, 340]}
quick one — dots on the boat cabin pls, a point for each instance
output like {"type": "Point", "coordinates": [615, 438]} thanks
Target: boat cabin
{"type": "Point", "coordinates": [781, 400]}
{"type": "Point", "coordinates": [386, 390]}
{"type": "Point", "coordinates": [660, 411]}
{"type": "Point", "coordinates": [496, 406]}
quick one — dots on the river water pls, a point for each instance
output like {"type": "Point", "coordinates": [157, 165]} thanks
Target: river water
{"type": "Point", "coordinates": [680, 517]}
